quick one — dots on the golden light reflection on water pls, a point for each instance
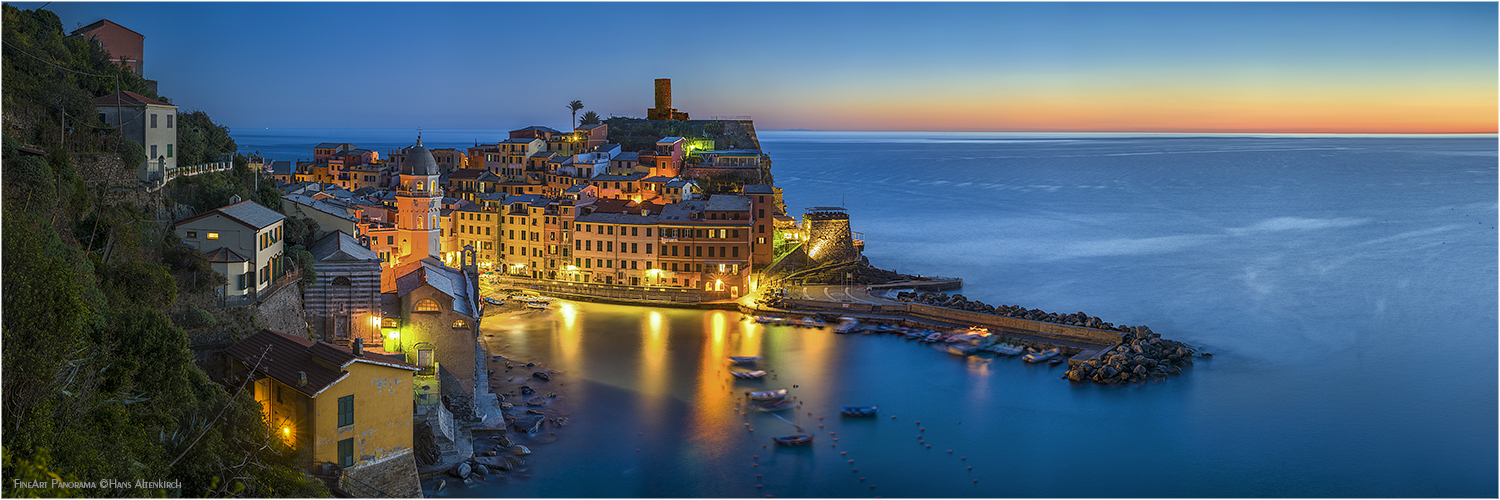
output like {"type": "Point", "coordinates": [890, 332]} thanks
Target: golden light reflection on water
{"type": "Point", "coordinates": [655, 334]}
{"type": "Point", "coordinates": [569, 339]}
{"type": "Point", "coordinates": [713, 419]}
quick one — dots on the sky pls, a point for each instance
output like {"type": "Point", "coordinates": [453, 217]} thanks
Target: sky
{"type": "Point", "coordinates": [1075, 67]}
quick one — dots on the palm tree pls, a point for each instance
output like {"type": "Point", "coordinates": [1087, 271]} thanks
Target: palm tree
{"type": "Point", "coordinates": [590, 118]}
{"type": "Point", "coordinates": [575, 106]}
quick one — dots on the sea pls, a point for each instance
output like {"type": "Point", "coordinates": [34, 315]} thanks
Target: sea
{"type": "Point", "coordinates": [1345, 285]}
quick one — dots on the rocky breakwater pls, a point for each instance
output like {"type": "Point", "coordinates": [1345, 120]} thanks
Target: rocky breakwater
{"type": "Point", "coordinates": [1141, 356]}
{"type": "Point", "coordinates": [958, 301]}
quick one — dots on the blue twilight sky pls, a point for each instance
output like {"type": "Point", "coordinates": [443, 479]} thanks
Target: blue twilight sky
{"type": "Point", "coordinates": [1268, 67]}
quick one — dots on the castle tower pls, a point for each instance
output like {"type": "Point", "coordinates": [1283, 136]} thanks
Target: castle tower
{"type": "Point", "coordinates": [418, 201]}
{"type": "Point", "coordinates": [829, 239]}
{"type": "Point", "coordinates": [663, 109]}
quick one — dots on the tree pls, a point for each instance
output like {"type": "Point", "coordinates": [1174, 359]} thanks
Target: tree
{"type": "Point", "coordinates": [590, 118]}
{"type": "Point", "coordinates": [575, 106]}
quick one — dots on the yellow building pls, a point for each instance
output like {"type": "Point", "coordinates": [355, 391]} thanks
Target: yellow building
{"type": "Point", "coordinates": [351, 407]}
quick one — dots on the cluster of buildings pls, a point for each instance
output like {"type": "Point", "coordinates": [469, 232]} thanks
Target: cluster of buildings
{"type": "Point", "coordinates": [403, 241]}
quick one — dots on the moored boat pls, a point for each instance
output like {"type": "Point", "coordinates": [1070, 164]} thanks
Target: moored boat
{"type": "Point", "coordinates": [796, 440]}
{"type": "Point", "coordinates": [846, 325]}
{"type": "Point", "coordinates": [1037, 357]}
{"type": "Point", "coordinates": [1007, 349]}
{"type": "Point", "coordinates": [495, 301]}
{"type": "Point", "coordinates": [858, 411]}
{"type": "Point", "coordinates": [536, 305]}
{"type": "Point", "coordinates": [744, 360]}
{"type": "Point", "coordinates": [767, 395]}
{"type": "Point", "coordinates": [749, 374]}
{"type": "Point", "coordinates": [776, 405]}
{"type": "Point", "coordinates": [934, 337]}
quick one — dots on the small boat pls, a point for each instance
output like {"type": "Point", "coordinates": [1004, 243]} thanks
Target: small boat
{"type": "Point", "coordinates": [846, 325]}
{"type": "Point", "coordinates": [749, 374]}
{"type": "Point", "coordinates": [777, 405]}
{"type": "Point", "coordinates": [1007, 349]}
{"type": "Point", "coordinates": [1037, 357]}
{"type": "Point", "coordinates": [767, 395]}
{"type": "Point", "coordinates": [744, 360]}
{"type": "Point", "coordinates": [494, 301]}
{"type": "Point", "coordinates": [858, 411]}
{"type": "Point", "coordinates": [536, 305]}
{"type": "Point", "coordinates": [962, 349]}
{"type": "Point", "coordinates": [933, 337]}
{"type": "Point", "coordinates": [797, 440]}
{"type": "Point", "coordinates": [764, 319]}
{"type": "Point", "coordinates": [1056, 360]}
{"type": "Point", "coordinates": [813, 323]}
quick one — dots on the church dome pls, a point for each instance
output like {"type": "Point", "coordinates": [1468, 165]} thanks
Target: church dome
{"type": "Point", "coordinates": [419, 161]}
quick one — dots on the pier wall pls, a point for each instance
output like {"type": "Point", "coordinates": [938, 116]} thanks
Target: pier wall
{"type": "Point", "coordinates": [995, 323]}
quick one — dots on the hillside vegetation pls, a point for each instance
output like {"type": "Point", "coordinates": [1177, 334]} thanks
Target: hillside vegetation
{"type": "Point", "coordinates": [98, 380]}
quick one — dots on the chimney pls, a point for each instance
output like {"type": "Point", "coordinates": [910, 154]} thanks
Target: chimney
{"type": "Point", "coordinates": [301, 379]}
{"type": "Point", "coordinates": [359, 346]}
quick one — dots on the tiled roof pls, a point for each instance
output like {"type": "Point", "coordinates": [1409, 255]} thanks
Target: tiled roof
{"type": "Point", "coordinates": [331, 145]}
{"type": "Point", "coordinates": [668, 140]}
{"type": "Point", "coordinates": [281, 167]}
{"type": "Point", "coordinates": [728, 202]}
{"type": "Point", "coordinates": [451, 282]}
{"type": "Point", "coordinates": [246, 212]}
{"type": "Point", "coordinates": [633, 176]}
{"type": "Point", "coordinates": [539, 128]}
{"type": "Point", "coordinates": [325, 206]}
{"type": "Point", "coordinates": [283, 356]}
{"type": "Point", "coordinates": [224, 254]}
{"type": "Point", "coordinates": [631, 156]}
{"type": "Point", "coordinates": [759, 189]}
{"type": "Point", "coordinates": [128, 98]}
{"type": "Point", "coordinates": [339, 246]}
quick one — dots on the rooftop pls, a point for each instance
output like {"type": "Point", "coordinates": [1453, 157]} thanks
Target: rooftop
{"type": "Point", "coordinates": [286, 358]}
{"type": "Point", "coordinates": [246, 212]}
{"type": "Point", "coordinates": [338, 246]}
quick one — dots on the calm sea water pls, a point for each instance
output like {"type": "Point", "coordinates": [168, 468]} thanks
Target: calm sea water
{"type": "Point", "coordinates": [1346, 285]}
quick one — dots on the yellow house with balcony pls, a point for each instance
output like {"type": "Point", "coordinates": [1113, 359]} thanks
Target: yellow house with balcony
{"type": "Point", "coordinates": [346, 406]}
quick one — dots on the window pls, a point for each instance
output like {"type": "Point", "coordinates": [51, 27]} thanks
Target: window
{"type": "Point", "coordinates": [674, 269]}
{"type": "Point", "coordinates": [346, 410]}
{"type": "Point", "coordinates": [633, 248]}
{"type": "Point", "coordinates": [760, 214]}
{"type": "Point", "coordinates": [169, 151]}
{"type": "Point", "coordinates": [169, 125]}
{"type": "Point", "coordinates": [241, 283]}
{"type": "Point", "coordinates": [278, 393]}
{"type": "Point", "coordinates": [427, 305]}
{"type": "Point", "coordinates": [153, 153]}
{"type": "Point", "coordinates": [342, 281]}
{"type": "Point", "coordinates": [346, 453]}
{"type": "Point", "coordinates": [761, 229]}
{"type": "Point", "coordinates": [648, 247]}
{"type": "Point", "coordinates": [390, 240]}
{"type": "Point", "coordinates": [192, 234]}
{"type": "Point", "coordinates": [460, 324]}
{"type": "Point", "coordinates": [610, 230]}
{"type": "Point", "coordinates": [736, 252]}
{"type": "Point", "coordinates": [213, 236]}
{"type": "Point", "coordinates": [700, 251]}
{"type": "Point", "coordinates": [634, 230]}
{"type": "Point", "coordinates": [760, 241]}
{"type": "Point", "coordinates": [153, 125]}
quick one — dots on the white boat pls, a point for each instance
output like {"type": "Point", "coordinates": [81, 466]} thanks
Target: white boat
{"type": "Point", "coordinates": [1037, 357]}
{"type": "Point", "coordinates": [536, 305]}
{"type": "Point", "coordinates": [767, 395]}
{"type": "Point", "coordinates": [845, 325]}
{"type": "Point", "coordinates": [749, 375]}
{"type": "Point", "coordinates": [494, 301]}
{"type": "Point", "coordinates": [1007, 349]}
{"type": "Point", "coordinates": [813, 323]}
{"type": "Point", "coordinates": [744, 360]}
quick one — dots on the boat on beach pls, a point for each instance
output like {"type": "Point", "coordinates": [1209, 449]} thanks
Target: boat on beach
{"type": "Point", "coordinates": [1037, 357]}
{"type": "Point", "coordinates": [796, 440]}
{"type": "Point", "coordinates": [934, 337]}
{"type": "Point", "coordinates": [536, 305]}
{"type": "Point", "coordinates": [766, 395]}
{"type": "Point", "coordinates": [744, 360]}
{"type": "Point", "coordinates": [749, 374]}
{"type": "Point", "coordinates": [495, 301]}
{"type": "Point", "coordinates": [858, 411]}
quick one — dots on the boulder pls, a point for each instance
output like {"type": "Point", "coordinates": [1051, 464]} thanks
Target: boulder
{"type": "Point", "coordinates": [442, 483]}
{"type": "Point", "coordinates": [461, 470]}
{"type": "Point", "coordinates": [528, 424]}
{"type": "Point", "coordinates": [526, 390]}
{"type": "Point", "coordinates": [495, 463]}
{"type": "Point", "coordinates": [481, 471]}
{"type": "Point", "coordinates": [521, 449]}
{"type": "Point", "coordinates": [541, 376]}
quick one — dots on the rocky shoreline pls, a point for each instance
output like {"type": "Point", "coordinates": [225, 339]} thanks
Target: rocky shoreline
{"type": "Point", "coordinates": [1142, 357]}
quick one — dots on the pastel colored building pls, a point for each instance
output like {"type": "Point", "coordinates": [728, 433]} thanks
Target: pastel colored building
{"type": "Point", "coordinates": [148, 122]}
{"type": "Point", "coordinates": [346, 406]}
{"type": "Point", "coordinates": [250, 231]}
{"type": "Point", "coordinates": [124, 45]}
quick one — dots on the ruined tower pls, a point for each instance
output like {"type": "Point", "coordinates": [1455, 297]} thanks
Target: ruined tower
{"type": "Point", "coordinates": [663, 109]}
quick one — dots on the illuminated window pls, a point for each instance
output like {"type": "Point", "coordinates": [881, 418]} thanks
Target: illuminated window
{"type": "Point", "coordinates": [460, 324]}
{"type": "Point", "coordinates": [192, 234]}
{"type": "Point", "coordinates": [213, 236]}
{"type": "Point", "coordinates": [428, 305]}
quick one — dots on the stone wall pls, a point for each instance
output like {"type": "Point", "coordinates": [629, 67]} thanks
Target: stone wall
{"type": "Point", "coordinates": [393, 477]}
{"type": "Point", "coordinates": [281, 310]}
{"type": "Point", "coordinates": [1003, 323]}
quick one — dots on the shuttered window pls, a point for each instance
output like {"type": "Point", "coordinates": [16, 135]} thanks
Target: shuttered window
{"type": "Point", "coordinates": [346, 411]}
